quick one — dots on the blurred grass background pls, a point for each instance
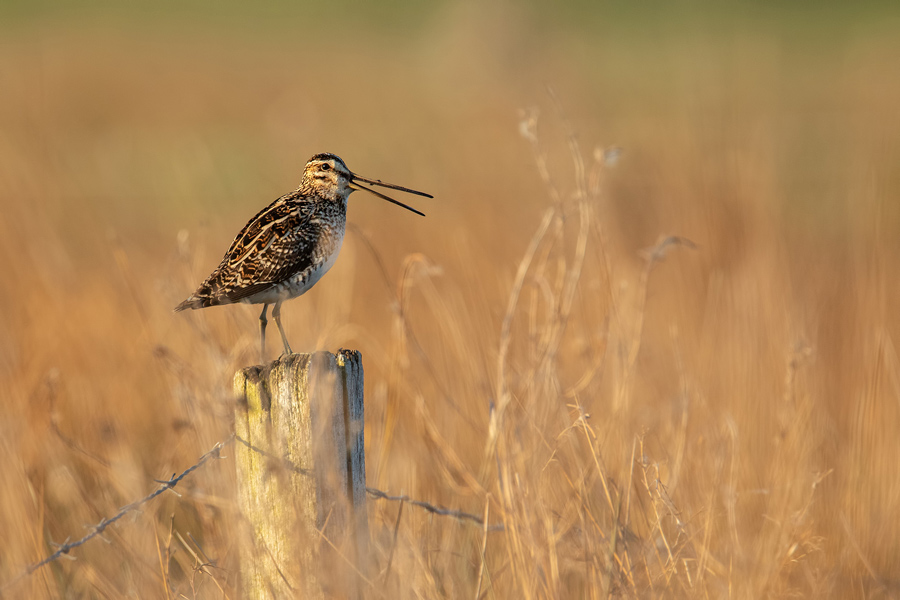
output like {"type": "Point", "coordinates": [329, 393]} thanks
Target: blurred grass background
{"type": "Point", "coordinates": [743, 398]}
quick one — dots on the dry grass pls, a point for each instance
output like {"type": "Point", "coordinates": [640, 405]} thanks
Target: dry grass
{"type": "Point", "coordinates": [716, 422]}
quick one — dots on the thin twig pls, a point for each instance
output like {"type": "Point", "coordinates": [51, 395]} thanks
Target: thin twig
{"type": "Point", "coordinates": [51, 381]}
{"type": "Point", "coordinates": [290, 466]}
{"type": "Point", "coordinates": [343, 557]}
{"type": "Point", "coordinates": [862, 557]}
{"type": "Point", "coordinates": [387, 570]}
{"type": "Point", "coordinates": [487, 508]}
{"type": "Point", "coordinates": [572, 274]}
{"type": "Point", "coordinates": [502, 399]}
{"type": "Point", "coordinates": [164, 566]}
{"type": "Point", "coordinates": [652, 256]}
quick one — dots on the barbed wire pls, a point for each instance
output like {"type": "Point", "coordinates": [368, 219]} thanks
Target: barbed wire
{"type": "Point", "coordinates": [97, 529]}
{"type": "Point", "coordinates": [215, 452]}
{"type": "Point", "coordinates": [376, 493]}
{"type": "Point", "coordinates": [444, 512]}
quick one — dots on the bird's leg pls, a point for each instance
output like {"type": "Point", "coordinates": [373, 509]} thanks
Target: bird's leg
{"type": "Point", "coordinates": [262, 333]}
{"type": "Point", "coordinates": [276, 312]}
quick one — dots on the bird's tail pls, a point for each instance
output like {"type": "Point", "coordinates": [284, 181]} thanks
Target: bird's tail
{"type": "Point", "coordinates": [192, 302]}
{"type": "Point", "coordinates": [198, 301]}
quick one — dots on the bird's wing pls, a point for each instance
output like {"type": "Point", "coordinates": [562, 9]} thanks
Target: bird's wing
{"type": "Point", "coordinates": [271, 247]}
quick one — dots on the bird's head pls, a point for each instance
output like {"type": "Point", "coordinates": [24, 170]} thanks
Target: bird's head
{"type": "Point", "coordinates": [328, 177]}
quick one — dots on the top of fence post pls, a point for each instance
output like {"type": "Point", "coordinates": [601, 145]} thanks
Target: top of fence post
{"type": "Point", "coordinates": [301, 476]}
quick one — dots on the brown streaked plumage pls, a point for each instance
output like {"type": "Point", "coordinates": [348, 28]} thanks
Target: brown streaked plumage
{"type": "Point", "coordinates": [287, 247]}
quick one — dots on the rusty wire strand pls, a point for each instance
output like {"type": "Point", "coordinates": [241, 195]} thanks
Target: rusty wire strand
{"type": "Point", "coordinates": [100, 527]}
{"type": "Point", "coordinates": [215, 452]}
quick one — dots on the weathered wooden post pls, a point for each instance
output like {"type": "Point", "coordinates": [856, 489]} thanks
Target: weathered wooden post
{"type": "Point", "coordinates": [301, 476]}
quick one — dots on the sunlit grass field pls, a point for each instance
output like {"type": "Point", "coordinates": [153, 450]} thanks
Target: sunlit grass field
{"type": "Point", "coordinates": [648, 324]}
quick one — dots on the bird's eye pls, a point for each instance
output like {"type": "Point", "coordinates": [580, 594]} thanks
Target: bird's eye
{"type": "Point", "coordinates": [325, 167]}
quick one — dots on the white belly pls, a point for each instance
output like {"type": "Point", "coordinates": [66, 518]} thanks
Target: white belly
{"type": "Point", "coordinates": [298, 286]}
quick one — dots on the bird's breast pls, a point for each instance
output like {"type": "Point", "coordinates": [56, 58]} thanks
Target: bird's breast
{"type": "Point", "coordinates": [326, 254]}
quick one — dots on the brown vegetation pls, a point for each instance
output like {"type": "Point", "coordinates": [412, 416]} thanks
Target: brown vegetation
{"type": "Point", "coordinates": [733, 406]}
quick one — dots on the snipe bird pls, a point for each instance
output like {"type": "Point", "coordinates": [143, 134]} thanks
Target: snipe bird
{"type": "Point", "coordinates": [289, 245]}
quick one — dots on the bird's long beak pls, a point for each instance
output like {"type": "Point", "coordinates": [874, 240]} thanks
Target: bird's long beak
{"type": "Point", "coordinates": [354, 184]}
